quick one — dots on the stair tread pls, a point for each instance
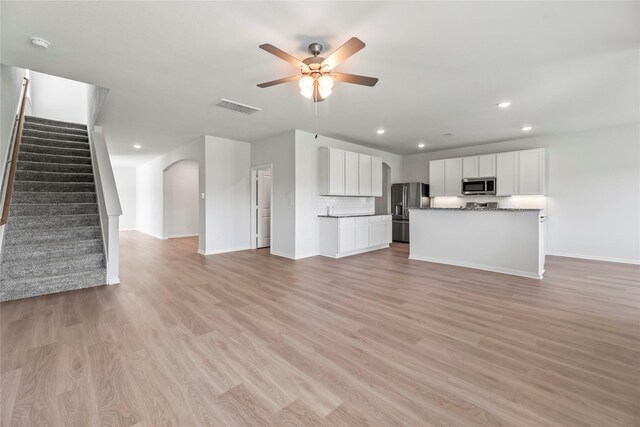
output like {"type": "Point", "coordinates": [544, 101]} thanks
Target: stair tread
{"type": "Point", "coordinates": [36, 119]}
{"type": "Point", "coordinates": [53, 244]}
{"type": "Point", "coordinates": [55, 155]}
{"type": "Point", "coordinates": [85, 271]}
{"type": "Point", "coordinates": [72, 150]}
{"type": "Point", "coordinates": [93, 256]}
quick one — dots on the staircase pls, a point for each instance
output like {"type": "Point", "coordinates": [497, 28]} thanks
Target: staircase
{"type": "Point", "coordinates": [53, 239]}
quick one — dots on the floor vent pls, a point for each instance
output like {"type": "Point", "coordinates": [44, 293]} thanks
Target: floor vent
{"type": "Point", "coordinates": [237, 107]}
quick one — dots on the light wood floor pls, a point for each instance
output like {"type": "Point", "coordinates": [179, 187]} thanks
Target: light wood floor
{"type": "Point", "coordinates": [251, 339]}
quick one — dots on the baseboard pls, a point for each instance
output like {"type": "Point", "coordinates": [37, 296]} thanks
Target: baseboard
{"type": "Point", "coordinates": [113, 281]}
{"type": "Point", "coordinates": [283, 254]}
{"type": "Point", "coordinates": [177, 236]}
{"type": "Point", "coordinates": [595, 258]}
{"type": "Point", "coordinates": [223, 251]}
{"type": "Point", "coordinates": [306, 255]}
{"type": "Point", "coordinates": [152, 235]}
{"type": "Point", "coordinates": [478, 267]}
{"type": "Point", "coordinates": [359, 251]}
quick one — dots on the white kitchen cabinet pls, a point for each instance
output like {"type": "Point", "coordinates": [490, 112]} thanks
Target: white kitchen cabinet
{"type": "Point", "coordinates": [364, 175]}
{"type": "Point", "coordinates": [351, 172]}
{"type": "Point", "coordinates": [346, 234]}
{"type": "Point", "coordinates": [453, 177]}
{"type": "Point", "coordinates": [531, 172]}
{"type": "Point", "coordinates": [362, 232]}
{"type": "Point", "coordinates": [507, 173]}
{"type": "Point", "coordinates": [331, 171]}
{"type": "Point", "coordinates": [387, 229]}
{"type": "Point", "coordinates": [376, 176]}
{"type": "Point", "coordinates": [436, 178]}
{"type": "Point", "coordinates": [341, 237]}
{"type": "Point", "coordinates": [487, 165]}
{"type": "Point", "coordinates": [375, 230]}
{"type": "Point", "coordinates": [470, 167]}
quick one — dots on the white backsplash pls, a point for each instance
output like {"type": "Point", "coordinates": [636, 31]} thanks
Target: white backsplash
{"type": "Point", "coordinates": [512, 202]}
{"type": "Point", "coordinates": [346, 205]}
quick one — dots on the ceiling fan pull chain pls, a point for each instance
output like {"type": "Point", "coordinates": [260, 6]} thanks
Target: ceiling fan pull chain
{"type": "Point", "coordinates": [315, 105]}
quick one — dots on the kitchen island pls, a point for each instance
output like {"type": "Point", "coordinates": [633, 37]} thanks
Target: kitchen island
{"type": "Point", "coordinates": [509, 241]}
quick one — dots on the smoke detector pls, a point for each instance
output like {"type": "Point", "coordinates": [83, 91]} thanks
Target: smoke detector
{"type": "Point", "coordinates": [40, 42]}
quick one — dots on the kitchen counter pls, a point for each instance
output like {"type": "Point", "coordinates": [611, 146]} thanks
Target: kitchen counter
{"type": "Point", "coordinates": [509, 241]}
{"type": "Point", "coordinates": [482, 210]}
{"type": "Point", "coordinates": [349, 215]}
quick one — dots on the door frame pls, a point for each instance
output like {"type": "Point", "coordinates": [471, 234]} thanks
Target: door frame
{"type": "Point", "coordinates": [254, 204]}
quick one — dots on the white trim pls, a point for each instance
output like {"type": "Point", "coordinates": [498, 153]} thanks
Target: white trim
{"type": "Point", "coordinates": [223, 251]}
{"type": "Point", "coordinates": [595, 258]}
{"type": "Point", "coordinates": [359, 251]}
{"type": "Point", "coordinates": [283, 255]}
{"type": "Point", "coordinates": [151, 234]}
{"type": "Point", "coordinates": [176, 236]}
{"type": "Point", "coordinates": [113, 281]}
{"type": "Point", "coordinates": [306, 255]}
{"type": "Point", "coordinates": [479, 267]}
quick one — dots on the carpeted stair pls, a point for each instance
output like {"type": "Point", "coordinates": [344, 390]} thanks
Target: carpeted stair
{"type": "Point", "coordinates": [53, 240]}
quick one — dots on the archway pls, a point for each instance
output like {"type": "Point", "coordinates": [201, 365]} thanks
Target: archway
{"type": "Point", "coordinates": [181, 199]}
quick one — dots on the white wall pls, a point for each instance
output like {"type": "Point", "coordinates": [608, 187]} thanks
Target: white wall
{"type": "Point", "coordinates": [58, 99]}
{"type": "Point", "coordinates": [279, 151]}
{"type": "Point", "coordinates": [181, 204]}
{"type": "Point", "coordinates": [150, 194]}
{"type": "Point", "coordinates": [228, 194]}
{"type": "Point", "coordinates": [593, 180]}
{"type": "Point", "coordinates": [11, 79]}
{"type": "Point", "coordinates": [308, 203]}
{"type": "Point", "coordinates": [125, 177]}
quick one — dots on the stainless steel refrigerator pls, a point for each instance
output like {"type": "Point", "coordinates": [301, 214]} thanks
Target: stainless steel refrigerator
{"type": "Point", "coordinates": [406, 196]}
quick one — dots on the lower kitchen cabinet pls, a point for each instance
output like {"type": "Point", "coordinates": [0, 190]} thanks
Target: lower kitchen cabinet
{"type": "Point", "coordinates": [343, 236]}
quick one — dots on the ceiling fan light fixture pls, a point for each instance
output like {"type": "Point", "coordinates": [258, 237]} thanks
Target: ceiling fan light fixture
{"type": "Point", "coordinates": [324, 92]}
{"type": "Point", "coordinates": [325, 82]}
{"type": "Point", "coordinates": [306, 84]}
{"type": "Point", "coordinates": [307, 93]}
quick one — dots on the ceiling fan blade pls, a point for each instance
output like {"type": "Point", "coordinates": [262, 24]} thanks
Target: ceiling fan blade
{"type": "Point", "coordinates": [354, 78]}
{"type": "Point", "coordinates": [284, 55]}
{"type": "Point", "coordinates": [352, 46]}
{"type": "Point", "coordinates": [279, 81]}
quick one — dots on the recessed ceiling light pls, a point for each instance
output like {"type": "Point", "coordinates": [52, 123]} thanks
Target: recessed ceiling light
{"type": "Point", "coordinates": [40, 42]}
{"type": "Point", "coordinates": [504, 104]}
{"type": "Point", "coordinates": [421, 145]}
{"type": "Point", "coordinates": [380, 131]}
{"type": "Point", "coordinates": [137, 146]}
{"type": "Point", "coordinates": [527, 128]}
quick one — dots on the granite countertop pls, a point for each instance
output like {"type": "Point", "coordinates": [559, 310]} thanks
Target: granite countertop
{"type": "Point", "coordinates": [492, 209]}
{"type": "Point", "coordinates": [349, 215]}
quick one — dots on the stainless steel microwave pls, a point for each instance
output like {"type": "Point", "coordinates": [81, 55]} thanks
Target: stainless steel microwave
{"type": "Point", "coordinates": [473, 186]}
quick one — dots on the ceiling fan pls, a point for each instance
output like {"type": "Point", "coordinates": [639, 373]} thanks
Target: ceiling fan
{"type": "Point", "coordinates": [316, 73]}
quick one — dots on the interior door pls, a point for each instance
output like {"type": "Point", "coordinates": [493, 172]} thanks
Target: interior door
{"type": "Point", "coordinates": [263, 208]}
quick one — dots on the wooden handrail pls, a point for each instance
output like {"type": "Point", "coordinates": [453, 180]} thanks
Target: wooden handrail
{"type": "Point", "coordinates": [14, 155]}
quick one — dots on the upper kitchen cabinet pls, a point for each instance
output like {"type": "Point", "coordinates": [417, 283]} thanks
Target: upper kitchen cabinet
{"type": "Point", "coordinates": [531, 172]}
{"type": "Point", "coordinates": [332, 171]}
{"type": "Point", "coordinates": [345, 173]}
{"type": "Point", "coordinates": [376, 176]}
{"type": "Point", "coordinates": [453, 177]}
{"type": "Point", "coordinates": [521, 173]}
{"type": "Point", "coordinates": [351, 161]}
{"type": "Point", "coordinates": [487, 165]}
{"type": "Point", "coordinates": [479, 166]}
{"type": "Point", "coordinates": [470, 167]}
{"type": "Point", "coordinates": [507, 174]}
{"type": "Point", "coordinates": [364, 175]}
{"type": "Point", "coordinates": [436, 178]}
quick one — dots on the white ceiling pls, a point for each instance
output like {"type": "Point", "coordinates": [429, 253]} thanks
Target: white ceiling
{"type": "Point", "coordinates": [566, 66]}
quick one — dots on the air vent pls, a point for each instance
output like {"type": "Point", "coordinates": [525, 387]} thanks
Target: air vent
{"type": "Point", "coordinates": [237, 107]}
